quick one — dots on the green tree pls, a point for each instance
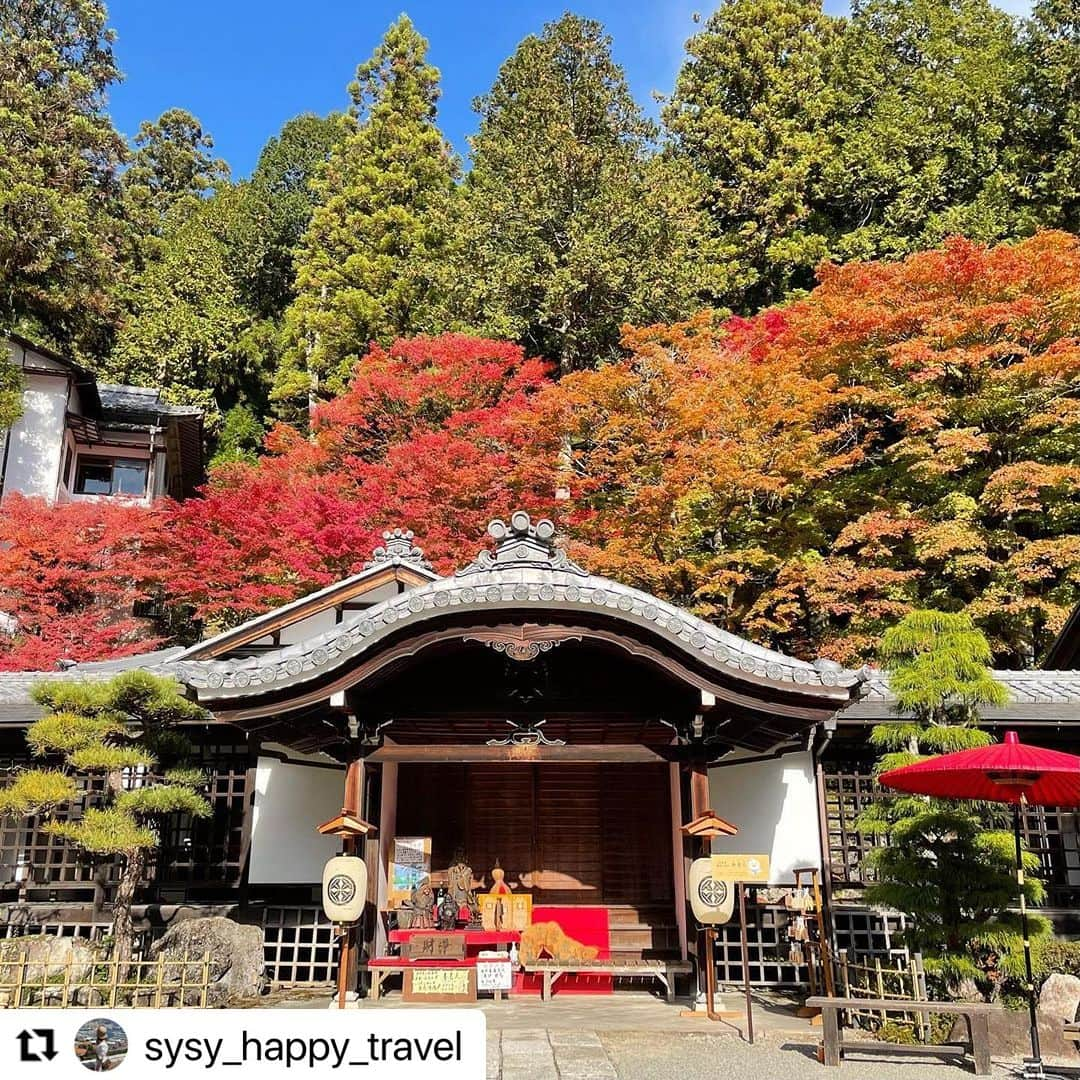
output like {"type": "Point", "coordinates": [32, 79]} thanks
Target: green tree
{"type": "Point", "coordinates": [927, 100]}
{"type": "Point", "coordinates": [1052, 114]}
{"type": "Point", "coordinates": [59, 158]}
{"type": "Point", "coordinates": [126, 731]}
{"type": "Point", "coordinates": [10, 393]}
{"type": "Point", "coordinates": [751, 106]}
{"type": "Point", "coordinates": [947, 863]}
{"type": "Point", "coordinates": [241, 438]}
{"type": "Point", "coordinates": [171, 165]}
{"type": "Point", "coordinates": [567, 225]}
{"type": "Point", "coordinates": [363, 266]}
{"type": "Point", "coordinates": [187, 329]}
{"type": "Point", "coordinates": [276, 208]}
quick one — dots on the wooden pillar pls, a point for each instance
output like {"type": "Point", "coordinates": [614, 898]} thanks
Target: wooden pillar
{"type": "Point", "coordinates": [699, 787]}
{"type": "Point", "coordinates": [387, 828]}
{"type": "Point", "coordinates": [349, 936]}
{"type": "Point", "coordinates": [372, 776]}
{"type": "Point", "coordinates": [680, 864]}
{"type": "Point", "coordinates": [699, 804]}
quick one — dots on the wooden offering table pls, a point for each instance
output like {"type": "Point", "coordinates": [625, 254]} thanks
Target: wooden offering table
{"type": "Point", "coordinates": [441, 949]}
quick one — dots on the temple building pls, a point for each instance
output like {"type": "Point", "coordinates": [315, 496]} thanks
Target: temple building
{"type": "Point", "coordinates": [535, 717]}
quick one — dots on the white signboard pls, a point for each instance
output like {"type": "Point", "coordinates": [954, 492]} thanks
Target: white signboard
{"type": "Point", "coordinates": [494, 972]}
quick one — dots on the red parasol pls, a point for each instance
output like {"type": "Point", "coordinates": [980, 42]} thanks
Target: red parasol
{"type": "Point", "coordinates": [1008, 772]}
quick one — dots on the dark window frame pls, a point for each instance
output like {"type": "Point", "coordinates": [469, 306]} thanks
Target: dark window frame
{"type": "Point", "coordinates": [112, 463]}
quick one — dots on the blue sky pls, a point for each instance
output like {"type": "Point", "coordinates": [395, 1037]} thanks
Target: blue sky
{"type": "Point", "coordinates": [244, 67]}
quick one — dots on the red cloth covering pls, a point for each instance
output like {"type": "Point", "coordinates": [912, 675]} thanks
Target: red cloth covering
{"type": "Point", "coordinates": [589, 925]}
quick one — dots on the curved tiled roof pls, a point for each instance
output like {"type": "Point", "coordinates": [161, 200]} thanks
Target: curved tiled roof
{"type": "Point", "coordinates": [526, 574]}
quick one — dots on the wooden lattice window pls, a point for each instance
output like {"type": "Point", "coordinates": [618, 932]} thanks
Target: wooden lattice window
{"type": "Point", "coordinates": [848, 792]}
{"type": "Point", "coordinates": [299, 945]}
{"type": "Point", "coordinates": [1053, 834]}
{"type": "Point", "coordinates": [205, 853]}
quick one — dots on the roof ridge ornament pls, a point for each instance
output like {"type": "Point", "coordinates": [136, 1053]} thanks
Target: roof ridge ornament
{"type": "Point", "coordinates": [521, 543]}
{"type": "Point", "coordinates": [398, 548]}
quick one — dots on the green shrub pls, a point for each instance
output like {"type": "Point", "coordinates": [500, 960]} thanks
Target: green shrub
{"type": "Point", "coordinates": [1049, 956]}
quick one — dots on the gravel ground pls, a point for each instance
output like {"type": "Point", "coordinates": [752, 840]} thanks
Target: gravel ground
{"type": "Point", "coordinates": [540, 1054]}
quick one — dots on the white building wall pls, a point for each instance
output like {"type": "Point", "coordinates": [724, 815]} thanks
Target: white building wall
{"type": "Point", "coordinates": [774, 804]}
{"type": "Point", "coordinates": [37, 438]}
{"type": "Point", "coordinates": [291, 799]}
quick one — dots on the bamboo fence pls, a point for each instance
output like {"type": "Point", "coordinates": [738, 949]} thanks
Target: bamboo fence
{"type": "Point", "coordinates": [163, 982]}
{"type": "Point", "coordinates": [904, 980]}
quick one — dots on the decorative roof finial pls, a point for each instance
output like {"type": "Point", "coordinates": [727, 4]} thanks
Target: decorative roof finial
{"type": "Point", "coordinates": [521, 543]}
{"type": "Point", "coordinates": [398, 548]}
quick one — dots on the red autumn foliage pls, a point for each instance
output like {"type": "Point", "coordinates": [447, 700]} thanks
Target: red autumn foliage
{"type": "Point", "coordinates": [907, 435]}
{"type": "Point", "coordinates": [70, 577]}
{"type": "Point", "coordinates": [433, 434]}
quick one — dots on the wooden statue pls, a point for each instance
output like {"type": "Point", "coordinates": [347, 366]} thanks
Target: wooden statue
{"type": "Point", "coordinates": [448, 913]}
{"type": "Point", "coordinates": [421, 906]}
{"type": "Point", "coordinates": [549, 939]}
{"type": "Point", "coordinates": [459, 888]}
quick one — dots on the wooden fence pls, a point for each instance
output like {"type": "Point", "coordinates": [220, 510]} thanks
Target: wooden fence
{"type": "Point", "coordinates": [163, 982]}
{"type": "Point", "coordinates": [902, 980]}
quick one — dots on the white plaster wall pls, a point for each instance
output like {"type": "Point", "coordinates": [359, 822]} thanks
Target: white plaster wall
{"type": "Point", "coordinates": [774, 804]}
{"type": "Point", "coordinates": [319, 623]}
{"type": "Point", "coordinates": [37, 438]}
{"type": "Point", "coordinates": [291, 799]}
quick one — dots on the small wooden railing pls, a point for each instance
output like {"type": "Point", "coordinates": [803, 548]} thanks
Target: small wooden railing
{"type": "Point", "coordinates": [164, 982]}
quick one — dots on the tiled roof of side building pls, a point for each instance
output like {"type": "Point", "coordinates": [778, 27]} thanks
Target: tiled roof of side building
{"type": "Point", "coordinates": [16, 687]}
{"type": "Point", "coordinates": [139, 400]}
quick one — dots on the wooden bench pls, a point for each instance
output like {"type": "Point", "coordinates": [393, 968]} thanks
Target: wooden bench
{"type": "Point", "coordinates": [663, 971]}
{"type": "Point", "coordinates": [976, 1014]}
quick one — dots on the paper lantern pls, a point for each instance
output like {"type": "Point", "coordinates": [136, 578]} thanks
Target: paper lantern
{"type": "Point", "coordinates": [711, 899]}
{"type": "Point", "coordinates": [344, 888]}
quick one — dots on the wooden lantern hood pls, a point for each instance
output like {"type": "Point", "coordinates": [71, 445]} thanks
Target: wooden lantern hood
{"type": "Point", "coordinates": [708, 826]}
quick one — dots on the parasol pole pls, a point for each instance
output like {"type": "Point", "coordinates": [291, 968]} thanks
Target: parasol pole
{"type": "Point", "coordinates": [1032, 1013]}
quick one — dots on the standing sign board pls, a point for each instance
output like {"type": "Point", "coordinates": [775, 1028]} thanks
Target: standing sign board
{"type": "Point", "coordinates": [410, 864]}
{"type": "Point", "coordinates": [749, 869]}
{"type": "Point", "coordinates": [493, 971]}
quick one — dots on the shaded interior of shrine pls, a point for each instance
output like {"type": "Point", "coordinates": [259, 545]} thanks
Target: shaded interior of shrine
{"type": "Point", "coordinates": [570, 833]}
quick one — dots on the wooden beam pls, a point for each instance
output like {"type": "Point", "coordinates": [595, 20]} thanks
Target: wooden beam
{"type": "Point", "coordinates": [613, 752]}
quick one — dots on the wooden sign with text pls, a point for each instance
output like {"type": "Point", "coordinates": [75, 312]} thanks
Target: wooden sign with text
{"type": "Point", "coordinates": [432, 984]}
{"type": "Point", "coordinates": [435, 947]}
{"type": "Point", "coordinates": [752, 869]}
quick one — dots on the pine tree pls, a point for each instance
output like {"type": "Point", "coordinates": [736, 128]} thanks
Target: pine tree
{"type": "Point", "coordinates": [567, 226]}
{"type": "Point", "coordinates": [949, 864]}
{"type": "Point", "coordinates": [362, 269]}
{"type": "Point", "coordinates": [125, 731]}
{"type": "Point", "coordinates": [1051, 133]}
{"type": "Point", "coordinates": [59, 158]}
{"type": "Point", "coordinates": [749, 112]}
{"type": "Point", "coordinates": [171, 165]}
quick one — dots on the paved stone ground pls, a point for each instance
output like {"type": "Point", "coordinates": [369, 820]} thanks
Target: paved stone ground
{"type": "Point", "coordinates": [542, 1054]}
{"type": "Point", "coordinates": [635, 1036]}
